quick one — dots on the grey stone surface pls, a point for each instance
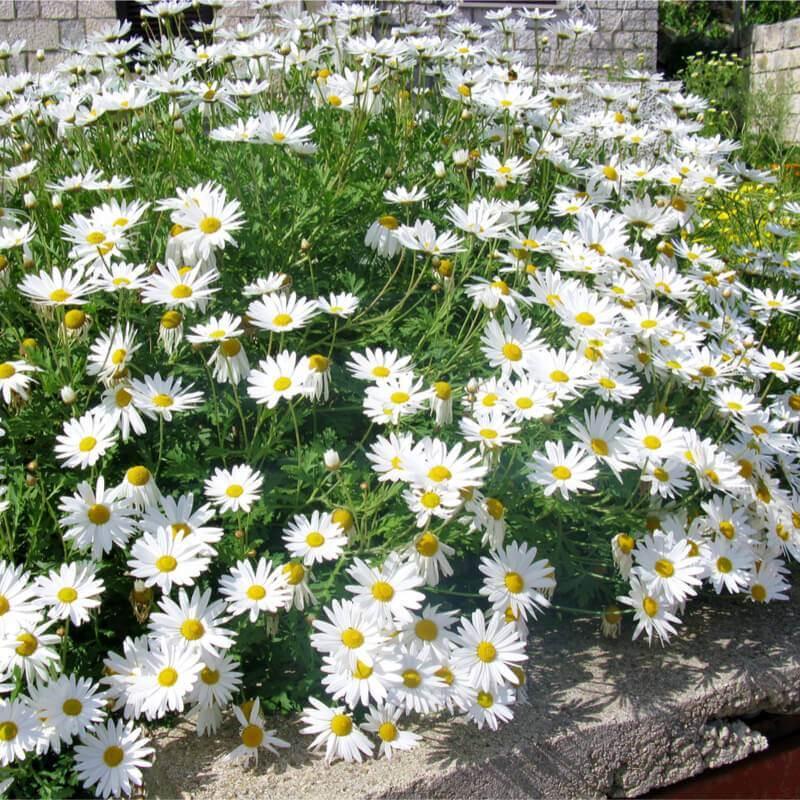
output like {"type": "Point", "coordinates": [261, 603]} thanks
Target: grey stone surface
{"type": "Point", "coordinates": [606, 718]}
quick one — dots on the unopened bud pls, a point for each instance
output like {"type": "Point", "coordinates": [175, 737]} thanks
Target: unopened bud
{"type": "Point", "coordinates": [40, 55]}
{"type": "Point", "coordinates": [29, 198]}
{"type": "Point", "coordinates": [68, 395]}
{"type": "Point", "coordinates": [332, 460]}
{"type": "Point", "coordinates": [305, 245]}
{"type": "Point", "coordinates": [56, 201]}
{"type": "Point", "coordinates": [438, 169]}
{"type": "Point", "coordinates": [178, 126]}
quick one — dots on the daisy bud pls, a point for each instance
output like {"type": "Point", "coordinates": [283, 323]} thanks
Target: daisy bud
{"type": "Point", "coordinates": [68, 395]}
{"type": "Point", "coordinates": [332, 461]}
{"type": "Point", "coordinates": [611, 622]}
{"type": "Point", "coordinates": [284, 49]}
{"type": "Point", "coordinates": [61, 631]}
{"type": "Point", "coordinates": [29, 198]}
{"type": "Point", "coordinates": [40, 55]}
{"type": "Point", "coordinates": [545, 40]}
{"type": "Point", "coordinates": [56, 201]}
{"type": "Point", "coordinates": [31, 480]}
{"type": "Point", "coordinates": [771, 206]}
{"type": "Point", "coordinates": [387, 173]}
{"type": "Point", "coordinates": [178, 126]}
{"type": "Point", "coordinates": [460, 157]}
{"type": "Point", "coordinates": [473, 386]}
{"type": "Point", "coordinates": [251, 553]}
{"type": "Point", "coordinates": [466, 114]}
{"type": "Point", "coordinates": [239, 534]}
{"type": "Point", "coordinates": [305, 246]}
{"type": "Point", "coordinates": [363, 486]}
{"type": "Point", "coordinates": [27, 345]}
{"type": "Point", "coordinates": [137, 68]}
{"type": "Point", "coordinates": [435, 287]}
{"type": "Point", "coordinates": [500, 182]}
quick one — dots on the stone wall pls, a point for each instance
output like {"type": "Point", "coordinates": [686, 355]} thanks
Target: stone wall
{"type": "Point", "coordinates": [774, 55]}
{"type": "Point", "coordinates": [46, 24]}
{"type": "Point", "coordinates": [626, 29]}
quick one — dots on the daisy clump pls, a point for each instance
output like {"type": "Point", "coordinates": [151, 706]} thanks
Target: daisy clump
{"type": "Point", "coordinates": [285, 431]}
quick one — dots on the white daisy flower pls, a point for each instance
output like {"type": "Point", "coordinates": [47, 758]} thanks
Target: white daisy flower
{"type": "Point", "coordinates": [253, 591]}
{"type": "Point", "coordinates": [235, 489]}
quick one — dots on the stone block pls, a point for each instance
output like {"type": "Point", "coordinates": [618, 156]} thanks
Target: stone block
{"type": "Point", "coordinates": [26, 9]}
{"type": "Point", "coordinates": [59, 9]}
{"type": "Point", "coordinates": [791, 32]}
{"type": "Point", "coordinates": [767, 38]}
{"type": "Point", "coordinates": [6, 9]}
{"type": "Point", "coordinates": [787, 59]}
{"type": "Point", "coordinates": [97, 8]}
{"type": "Point", "coordinates": [94, 24]}
{"type": "Point", "coordinates": [37, 33]}
{"type": "Point", "coordinates": [71, 30]}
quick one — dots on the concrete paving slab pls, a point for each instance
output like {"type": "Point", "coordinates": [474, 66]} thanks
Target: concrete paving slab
{"type": "Point", "coordinates": [605, 718]}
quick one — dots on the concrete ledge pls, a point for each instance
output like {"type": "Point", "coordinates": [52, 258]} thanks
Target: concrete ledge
{"type": "Point", "coordinates": [605, 718]}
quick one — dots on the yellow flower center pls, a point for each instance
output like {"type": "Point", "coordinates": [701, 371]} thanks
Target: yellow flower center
{"type": "Point", "coordinates": [277, 136]}
{"type": "Point", "coordinates": [387, 732]}
{"type": "Point", "coordinates": [112, 756]}
{"type": "Point", "coordinates": [660, 474]}
{"type": "Point", "coordinates": [318, 363]}
{"type": "Point", "coordinates": [488, 433]}
{"type": "Point", "coordinates": [192, 629]}
{"type": "Point", "coordinates": [163, 401]}
{"type": "Point", "coordinates": [559, 376]}
{"type": "Point", "coordinates": [650, 606]}
{"type": "Point", "coordinates": [209, 676]}
{"type": "Point", "coordinates": [398, 398]}
{"type": "Point", "coordinates": [727, 529]}
{"type": "Point", "coordinates": [758, 593]}
{"type": "Point", "coordinates": [166, 563]}
{"type": "Point", "coordinates": [352, 639]}
{"type": "Point", "coordinates": [664, 568]}
{"type": "Point", "coordinates": [341, 725]}
{"type": "Point", "coordinates": [234, 490]}
{"type": "Point", "coordinates": [295, 572]}
{"type": "Point", "coordinates": [495, 508]}
{"type": "Point", "coordinates": [138, 476]}
{"type": "Point", "coordinates": [60, 295]}
{"type": "Point", "coordinates": [95, 237]}
{"type": "Point", "coordinates": [343, 518]}
{"type": "Point", "coordinates": [362, 671]}
{"type": "Point", "coordinates": [28, 644]}
{"type": "Point", "coordinates": [777, 366]}
{"type": "Point", "coordinates": [4, 605]}
{"type": "Point", "coordinates": [74, 319]}
{"type": "Point", "coordinates": [514, 582]}
{"type": "Point", "coordinates": [87, 444]}
{"type": "Point", "coordinates": [168, 677]}
{"type": "Point", "coordinates": [486, 652]}
{"type": "Point", "coordinates": [443, 673]}
{"type": "Point", "coordinates": [439, 473]}
{"type": "Point", "coordinates": [561, 473]}
{"type": "Point", "coordinates": [625, 543]}
{"type": "Point", "coordinates": [231, 348]}
{"type": "Point", "coordinates": [72, 707]}
{"type": "Point", "coordinates": [181, 291]}
{"type": "Point", "coordinates": [430, 500]}
{"type": "Point", "coordinates": [382, 591]}
{"type": "Point", "coordinates": [8, 731]}
{"type": "Point", "coordinates": [252, 736]}
{"type": "Point", "coordinates": [256, 592]}
{"type": "Point", "coordinates": [427, 545]}
{"type": "Point", "coordinates": [513, 352]}
{"type": "Point", "coordinates": [426, 630]}
{"type": "Point", "coordinates": [411, 678]}
{"type": "Point", "coordinates": [485, 700]}
{"type": "Point", "coordinates": [610, 173]}
{"type": "Point", "coordinates": [651, 442]}
{"type": "Point", "coordinates": [123, 398]}
{"type": "Point", "coordinates": [585, 318]}
{"type": "Point", "coordinates": [282, 320]}
{"type": "Point", "coordinates": [282, 384]}
{"type": "Point", "coordinates": [315, 539]}
{"type": "Point", "coordinates": [389, 222]}
{"type": "Point", "coordinates": [209, 225]}
{"type": "Point", "coordinates": [724, 565]}
{"type": "Point", "coordinates": [524, 403]}
{"type": "Point", "coordinates": [67, 594]}
{"type": "Point", "coordinates": [7, 370]}
{"type": "Point", "coordinates": [171, 320]}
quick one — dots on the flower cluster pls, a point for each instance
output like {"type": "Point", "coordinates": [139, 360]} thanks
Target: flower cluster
{"type": "Point", "coordinates": [278, 426]}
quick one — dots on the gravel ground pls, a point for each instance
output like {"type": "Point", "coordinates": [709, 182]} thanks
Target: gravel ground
{"type": "Point", "coordinates": [604, 718]}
